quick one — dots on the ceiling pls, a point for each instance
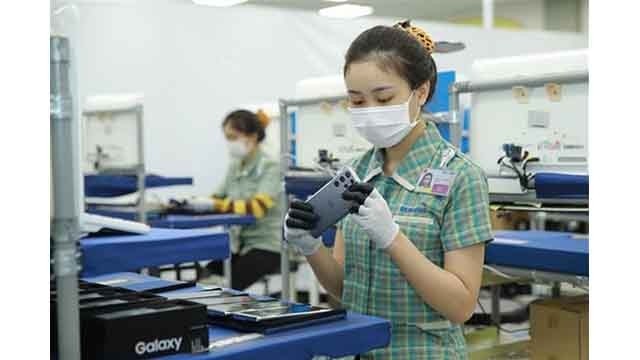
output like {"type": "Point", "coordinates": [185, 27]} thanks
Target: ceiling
{"type": "Point", "coordinates": [438, 10]}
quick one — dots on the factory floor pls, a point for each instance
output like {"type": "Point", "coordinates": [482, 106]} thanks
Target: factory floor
{"type": "Point", "coordinates": [490, 343]}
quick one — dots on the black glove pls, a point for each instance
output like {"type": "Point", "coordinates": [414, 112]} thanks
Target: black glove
{"type": "Point", "coordinates": [301, 216]}
{"type": "Point", "coordinates": [177, 204]}
{"type": "Point", "coordinates": [357, 193]}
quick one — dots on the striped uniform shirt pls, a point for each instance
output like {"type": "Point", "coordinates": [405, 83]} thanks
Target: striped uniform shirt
{"type": "Point", "coordinates": [373, 283]}
{"type": "Point", "coordinates": [260, 175]}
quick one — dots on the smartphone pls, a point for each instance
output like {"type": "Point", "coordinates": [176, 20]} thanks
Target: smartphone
{"type": "Point", "coordinates": [289, 311]}
{"type": "Point", "coordinates": [227, 309]}
{"type": "Point", "coordinates": [223, 300]}
{"type": "Point", "coordinates": [328, 203]}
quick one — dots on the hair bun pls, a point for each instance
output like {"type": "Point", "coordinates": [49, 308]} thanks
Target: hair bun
{"type": "Point", "coordinates": [418, 34]}
{"type": "Point", "coordinates": [263, 118]}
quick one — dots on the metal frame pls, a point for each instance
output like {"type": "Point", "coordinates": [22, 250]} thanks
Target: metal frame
{"type": "Point", "coordinates": [535, 276]}
{"type": "Point", "coordinates": [65, 191]}
{"type": "Point", "coordinates": [285, 163]}
{"type": "Point", "coordinates": [139, 169]}
{"type": "Point", "coordinates": [530, 198]}
{"type": "Point", "coordinates": [539, 276]}
{"type": "Point", "coordinates": [458, 88]}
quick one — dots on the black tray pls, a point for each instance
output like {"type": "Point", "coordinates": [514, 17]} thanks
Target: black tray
{"type": "Point", "coordinates": [274, 325]}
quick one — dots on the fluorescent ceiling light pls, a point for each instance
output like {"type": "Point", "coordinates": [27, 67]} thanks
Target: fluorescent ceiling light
{"type": "Point", "coordinates": [336, 1]}
{"type": "Point", "coordinates": [219, 3]}
{"type": "Point", "coordinates": [346, 11]}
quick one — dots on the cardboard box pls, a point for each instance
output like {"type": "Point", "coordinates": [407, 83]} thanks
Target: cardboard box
{"type": "Point", "coordinates": [560, 328]}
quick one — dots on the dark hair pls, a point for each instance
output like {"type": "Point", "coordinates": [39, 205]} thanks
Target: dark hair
{"type": "Point", "coordinates": [245, 122]}
{"type": "Point", "coordinates": [394, 48]}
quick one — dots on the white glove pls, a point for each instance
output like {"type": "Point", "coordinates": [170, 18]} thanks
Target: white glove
{"type": "Point", "coordinates": [200, 204]}
{"type": "Point", "coordinates": [376, 220]}
{"type": "Point", "coordinates": [299, 219]}
{"type": "Point", "coordinates": [301, 239]}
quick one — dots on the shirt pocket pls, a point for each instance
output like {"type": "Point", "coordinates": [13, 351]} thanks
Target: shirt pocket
{"type": "Point", "coordinates": [445, 337]}
{"type": "Point", "coordinates": [423, 231]}
{"type": "Point", "coordinates": [441, 343]}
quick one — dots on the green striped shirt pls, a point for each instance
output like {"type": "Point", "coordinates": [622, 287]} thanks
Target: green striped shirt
{"type": "Point", "coordinates": [435, 224]}
{"type": "Point", "coordinates": [259, 175]}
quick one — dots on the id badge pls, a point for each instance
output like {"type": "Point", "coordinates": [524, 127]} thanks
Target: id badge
{"type": "Point", "coordinates": [436, 181]}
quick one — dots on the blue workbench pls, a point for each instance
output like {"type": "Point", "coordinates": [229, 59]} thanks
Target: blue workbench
{"type": "Point", "coordinates": [117, 185]}
{"type": "Point", "coordinates": [128, 213]}
{"type": "Point", "coordinates": [561, 186]}
{"type": "Point", "coordinates": [201, 221]}
{"type": "Point", "coordinates": [356, 334]}
{"type": "Point", "coordinates": [556, 252]}
{"type": "Point", "coordinates": [106, 254]}
{"type": "Point", "coordinates": [156, 219]}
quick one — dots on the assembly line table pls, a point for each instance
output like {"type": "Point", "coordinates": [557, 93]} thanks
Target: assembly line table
{"type": "Point", "coordinates": [204, 221]}
{"type": "Point", "coordinates": [103, 254]}
{"type": "Point", "coordinates": [201, 221]}
{"type": "Point", "coordinates": [538, 256]}
{"type": "Point", "coordinates": [541, 252]}
{"type": "Point", "coordinates": [159, 220]}
{"type": "Point", "coordinates": [122, 212]}
{"type": "Point", "coordinates": [156, 219]}
{"type": "Point", "coordinates": [116, 185]}
{"type": "Point", "coordinates": [354, 335]}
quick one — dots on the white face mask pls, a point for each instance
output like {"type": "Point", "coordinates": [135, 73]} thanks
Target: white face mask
{"type": "Point", "coordinates": [238, 149]}
{"type": "Point", "coordinates": [383, 126]}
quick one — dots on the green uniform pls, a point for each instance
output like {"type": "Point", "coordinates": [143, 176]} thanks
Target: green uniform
{"type": "Point", "coordinates": [373, 283]}
{"type": "Point", "coordinates": [259, 175]}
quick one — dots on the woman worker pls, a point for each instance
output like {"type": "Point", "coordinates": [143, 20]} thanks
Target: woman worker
{"type": "Point", "coordinates": [251, 186]}
{"type": "Point", "coordinates": [407, 253]}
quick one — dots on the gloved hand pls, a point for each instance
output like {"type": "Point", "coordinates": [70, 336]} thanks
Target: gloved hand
{"type": "Point", "coordinates": [199, 204]}
{"type": "Point", "coordinates": [373, 214]}
{"type": "Point", "coordinates": [299, 220]}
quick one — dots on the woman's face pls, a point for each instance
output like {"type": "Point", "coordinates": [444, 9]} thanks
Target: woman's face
{"type": "Point", "coordinates": [232, 134]}
{"type": "Point", "coordinates": [369, 85]}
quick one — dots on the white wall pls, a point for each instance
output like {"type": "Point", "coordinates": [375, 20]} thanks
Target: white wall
{"type": "Point", "coordinates": [194, 64]}
{"type": "Point", "coordinates": [529, 13]}
{"type": "Point", "coordinates": [584, 16]}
